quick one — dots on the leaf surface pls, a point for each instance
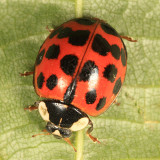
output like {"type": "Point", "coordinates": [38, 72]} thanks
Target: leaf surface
{"type": "Point", "coordinates": [129, 131]}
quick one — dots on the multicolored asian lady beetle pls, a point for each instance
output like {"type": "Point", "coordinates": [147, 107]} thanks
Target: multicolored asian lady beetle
{"type": "Point", "coordinates": [80, 69]}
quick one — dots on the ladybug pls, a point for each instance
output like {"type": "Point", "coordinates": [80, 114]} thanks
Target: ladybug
{"type": "Point", "coordinates": [80, 69]}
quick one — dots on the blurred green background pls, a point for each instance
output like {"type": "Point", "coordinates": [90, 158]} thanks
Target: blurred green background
{"type": "Point", "coordinates": [129, 131]}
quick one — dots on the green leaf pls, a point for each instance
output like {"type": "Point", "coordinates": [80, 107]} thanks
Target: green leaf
{"type": "Point", "coordinates": [129, 131]}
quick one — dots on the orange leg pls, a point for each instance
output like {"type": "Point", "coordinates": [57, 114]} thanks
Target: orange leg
{"type": "Point", "coordinates": [50, 30]}
{"type": "Point", "coordinates": [26, 73]}
{"type": "Point", "coordinates": [128, 38]}
{"type": "Point", "coordinates": [31, 108]}
{"type": "Point", "coordinates": [116, 103]}
{"type": "Point", "coordinates": [90, 129]}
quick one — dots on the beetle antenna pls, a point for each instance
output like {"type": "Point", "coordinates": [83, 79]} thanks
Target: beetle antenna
{"type": "Point", "coordinates": [42, 133]}
{"type": "Point", "coordinates": [69, 142]}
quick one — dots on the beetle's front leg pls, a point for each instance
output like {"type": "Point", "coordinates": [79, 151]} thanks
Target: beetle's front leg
{"type": "Point", "coordinates": [31, 108]}
{"type": "Point", "coordinates": [90, 129]}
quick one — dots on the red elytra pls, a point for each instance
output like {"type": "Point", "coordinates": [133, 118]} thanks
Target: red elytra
{"type": "Point", "coordinates": [82, 62]}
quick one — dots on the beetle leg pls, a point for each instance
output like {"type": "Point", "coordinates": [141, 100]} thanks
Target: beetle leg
{"type": "Point", "coordinates": [116, 102]}
{"type": "Point", "coordinates": [31, 108]}
{"type": "Point", "coordinates": [49, 30]}
{"type": "Point", "coordinates": [128, 38]}
{"type": "Point", "coordinates": [26, 73]}
{"type": "Point", "coordinates": [90, 129]}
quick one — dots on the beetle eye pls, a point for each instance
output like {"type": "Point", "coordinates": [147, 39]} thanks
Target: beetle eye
{"type": "Point", "coordinates": [50, 127]}
{"type": "Point", "coordinates": [65, 133]}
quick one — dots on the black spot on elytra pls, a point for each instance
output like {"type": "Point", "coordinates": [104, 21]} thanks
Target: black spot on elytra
{"type": "Point", "coordinates": [110, 72]}
{"type": "Point", "coordinates": [52, 81]}
{"type": "Point", "coordinates": [70, 93]}
{"type": "Point", "coordinates": [108, 29]}
{"type": "Point", "coordinates": [125, 50]}
{"type": "Point", "coordinates": [53, 52]}
{"type": "Point", "coordinates": [79, 37]}
{"type": "Point", "coordinates": [91, 96]}
{"type": "Point", "coordinates": [100, 45]}
{"type": "Point", "coordinates": [85, 21]}
{"type": "Point", "coordinates": [55, 32]}
{"type": "Point", "coordinates": [88, 69]}
{"type": "Point", "coordinates": [123, 57]}
{"type": "Point", "coordinates": [115, 51]}
{"type": "Point", "coordinates": [68, 64]}
{"type": "Point", "coordinates": [101, 103]}
{"type": "Point", "coordinates": [40, 80]}
{"type": "Point", "coordinates": [117, 86]}
{"type": "Point", "coordinates": [40, 57]}
{"type": "Point", "coordinates": [64, 33]}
